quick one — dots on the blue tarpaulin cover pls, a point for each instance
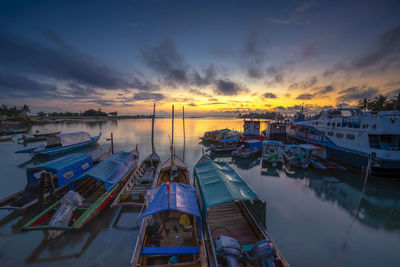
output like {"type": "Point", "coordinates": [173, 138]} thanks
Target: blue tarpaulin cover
{"type": "Point", "coordinates": [67, 168]}
{"type": "Point", "coordinates": [182, 198]}
{"type": "Point", "coordinates": [111, 170]}
{"type": "Point", "coordinates": [219, 183]}
{"type": "Point", "coordinates": [229, 140]}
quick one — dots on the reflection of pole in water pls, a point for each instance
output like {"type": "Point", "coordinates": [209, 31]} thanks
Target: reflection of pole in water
{"type": "Point", "coordinates": [152, 129]}
{"type": "Point", "coordinates": [184, 135]}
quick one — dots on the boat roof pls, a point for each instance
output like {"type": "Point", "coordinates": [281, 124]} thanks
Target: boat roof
{"type": "Point", "coordinates": [271, 142]}
{"type": "Point", "coordinates": [68, 138]}
{"type": "Point", "coordinates": [182, 198]}
{"type": "Point", "coordinates": [111, 170]}
{"type": "Point", "coordinates": [228, 140]}
{"type": "Point", "coordinates": [219, 183]}
{"type": "Point", "coordinates": [252, 141]}
{"type": "Point", "coordinates": [67, 168]}
{"type": "Point", "coordinates": [178, 163]}
{"type": "Point", "coordinates": [308, 146]}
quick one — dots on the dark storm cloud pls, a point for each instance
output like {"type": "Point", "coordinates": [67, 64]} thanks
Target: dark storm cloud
{"type": "Point", "coordinates": [208, 77]}
{"type": "Point", "coordinates": [383, 55]}
{"type": "Point", "coordinates": [269, 95]}
{"type": "Point", "coordinates": [198, 92]}
{"type": "Point", "coordinates": [294, 15]}
{"type": "Point", "coordinates": [254, 51]}
{"type": "Point", "coordinates": [148, 96]}
{"type": "Point", "coordinates": [305, 96]}
{"type": "Point", "coordinates": [78, 90]}
{"type": "Point", "coordinates": [357, 93]}
{"type": "Point", "coordinates": [386, 52]}
{"type": "Point", "coordinates": [25, 56]}
{"type": "Point", "coordinates": [165, 59]}
{"type": "Point", "coordinates": [14, 85]}
{"type": "Point", "coordinates": [229, 88]}
{"type": "Point", "coordinates": [103, 102]}
{"type": "Point", "coordinates": [324, 90]}
{"type": "Point", "coordinates": [304, 84]}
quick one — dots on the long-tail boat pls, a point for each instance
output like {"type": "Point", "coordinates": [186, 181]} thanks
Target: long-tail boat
{"type": "Point", "coordinates": [60, 143]}
{"type": "Point", "coordinates": [235, 236]}
{"type": "Point", "coordinates": [60, 171]}
{"type": "Point", "coordinates": [170, 233]}
{"type": "Point", "coordinates": [6, 138]}
{"type": "Point", "coordinates": [97, 187]}
{"type": "Point", "coordinates": [132, 194]}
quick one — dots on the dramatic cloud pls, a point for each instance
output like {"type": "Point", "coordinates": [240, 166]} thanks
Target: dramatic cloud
{"type": "Point", "coordinates": [165, 59]}
{"type": "Point", "coordinates": [304, 84]}
{"type": "Point", "coordinates": [13, 85]}
{"type": "Point", "coordinates": [208, 77]}
{"type": "Point", "coordinates": [198, 92]}
{"type": "Point", "coordinates": [269, 95]}
{"type": "Point", "coordinates": [385, 54]}
{"type": "Point", "coordinates": [305, 96]}
{"type": "Point", "coordinates": [294, 15]}
{"type": "Point", "coordinates": [357, 93]}
{"type": "Point", "coordinates": [25, 56]}
{"type": "Point", "coordinates": [148, 96]}
{"type": "Point", "coordinates": [229, 88]}
{"type": "Point", "coordinates": [324, 90]}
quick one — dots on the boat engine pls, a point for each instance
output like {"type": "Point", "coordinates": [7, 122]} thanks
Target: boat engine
{"type": "Point", "coordinates": [262, 254]}
{"type": "Point", "coordinates": [228, 250]}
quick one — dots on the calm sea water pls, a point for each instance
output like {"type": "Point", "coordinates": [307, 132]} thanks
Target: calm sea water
{"type": "Point", "coordinates": [309, 212]}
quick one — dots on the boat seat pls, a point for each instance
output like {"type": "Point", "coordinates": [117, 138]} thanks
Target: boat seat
{"type": "Point", "coordinates": [143, 179]}
{"type": "Point", "coordinates": [170, 250]}
{"type": "Point", "coordinates": [248, 248]}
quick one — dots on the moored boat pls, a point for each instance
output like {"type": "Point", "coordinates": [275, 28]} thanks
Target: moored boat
{"type": "Point", "coordinates": [251, 130]}
{"type": "Point", "coordinates": [132, 194]}
{"type": "Point", "coordinates": [248, 148]}
{"type": "Point", "coordinates": [234, 236]}
{"type": "Point", "coordinates": [271, 152]}
{"type": "Point", "coordinates": [180, 172]}
{"type": "Point", "coordinates": [61, 143]}
{"type": "Point", "coordinates": [170, 232]}
{"type": "Point", "coordinates": [54, 184]}
{"type": "Point", "coordinates": [223, 146]}
{"type": "Point", "coordinates": [12, 132]}
{"type": "Point", "coordinates": [293, 155]}
{"type": "Point", "coordinates": [351, 136]}
{"type": "Point", "coordinates": [215, 136]}
{"type": "Point", "coordinates": [6, 138]}
{"type": "Point", "coordinates": [92, 191]}
{"type": "Point", "coordinates": [45, 134]}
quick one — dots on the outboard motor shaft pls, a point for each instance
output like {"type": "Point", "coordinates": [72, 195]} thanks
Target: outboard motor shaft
{"type": "Point", "coordinates": [262, 254]}
{"type": "Point", "coordinates": [229, 251]}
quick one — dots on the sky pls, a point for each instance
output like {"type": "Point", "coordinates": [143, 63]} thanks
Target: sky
{"type": "Point", "coordinates": [216, 58]}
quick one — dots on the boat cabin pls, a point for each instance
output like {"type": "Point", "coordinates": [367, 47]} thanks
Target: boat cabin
{"type": "Point", "coordinates": [67, 139]}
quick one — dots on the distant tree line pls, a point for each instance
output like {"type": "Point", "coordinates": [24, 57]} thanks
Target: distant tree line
{"type": "Point", "coordinates": [267, 115]}
{"type": "Point", "coordinates": [14, 111]}
{"type": "Point", "coordinates": [86, 113]}
{"type": "Point", "coordinates": [379, 103]}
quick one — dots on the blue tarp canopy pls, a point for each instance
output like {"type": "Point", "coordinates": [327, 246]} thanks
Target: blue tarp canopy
{"type": "Point", "coordinates": [219, 183]}
{"type": "Point", "coordinates": [182, 198]}
{"type": "Point", "coordinates": [111, 170]}
{"type": "Point", "coordinates": [251, 144]}
{"type": "Point", "coordinates": [66, 139]}
{"type": "Point", "coordinates": [229, 140]}
{"type": "Point", "coordinates": [67, 168]}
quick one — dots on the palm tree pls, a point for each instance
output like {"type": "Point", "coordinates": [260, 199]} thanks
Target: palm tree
{"type": "Point", "coordinates": [26, 109]}
{"type": "Point", "coordinates": [363, 104]}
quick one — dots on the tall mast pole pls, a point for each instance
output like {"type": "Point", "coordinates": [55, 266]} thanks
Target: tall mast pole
{"type": "Point", "coordinates": [184, 134]}
{"type": "Point", "coordinates": [172, 140]}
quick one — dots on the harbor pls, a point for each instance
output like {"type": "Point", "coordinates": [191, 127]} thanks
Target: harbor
{"type": "Point", "coordinates": [308, 211]}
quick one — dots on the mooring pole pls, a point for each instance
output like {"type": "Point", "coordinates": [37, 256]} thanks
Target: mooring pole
{"type": "Point", "coordinates": [152, 129]}
{"type": "Point", "coordinates": [184, 134]}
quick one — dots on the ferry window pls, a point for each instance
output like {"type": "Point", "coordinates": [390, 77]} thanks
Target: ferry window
{"type": "Point", "coordinates": [316, 123]}
{"type": "Point", "coordinates": [329, 124]}
{"type": "Point", "coordinates": [322, 132]}
{"type": "Point", "coordinates": [373, 127]}
{"type": "Point", "coordinates": [338, 124]}
{"type": "Point", "coordinates": [330, 133]}
{"type": "Point", "coordinates": [333, 124]}
{"type": "Point", "coordinates": [339, 135]}
{"type": "Point", "coordinates": [350, 136]}
{"type": "Point", "coordinates": [365, 126]}
{"type": "Point", "coordinates": [350, 125]}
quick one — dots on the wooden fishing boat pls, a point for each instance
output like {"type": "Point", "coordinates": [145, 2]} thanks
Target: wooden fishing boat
{"type": "Point", "coordinates": [60, 171]}
{"type": "Point", "coordinates": [30, 139]}
{"type": "Point", "coordinates": [60, 143]}
{"type": "Point", "coordinates": [215, 136]}
{"type": "Point", "coordinates": [170, 232]}
{"type": "Point", "coordinates": [132, 194]}
{"type": "Point", "coordinates": [294, 156]}
{"type": "Point", "coordinates": [235, 236]}
{"type": "Point", "coordinates": [271, 152]}
{"type": "Point", "coordinates": [180, 172]}
{"type": "Point", "coordinates": [96, 188]}
{"type": "Point", "coordinates": [316, 156]}
{"type": "Point", "coordinates": [6, 138]}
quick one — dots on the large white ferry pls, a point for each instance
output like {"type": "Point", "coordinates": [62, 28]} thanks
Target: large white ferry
{"type": "Point", "coordinates": [350, 136]}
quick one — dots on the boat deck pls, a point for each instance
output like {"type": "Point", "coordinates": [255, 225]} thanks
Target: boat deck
{"type": "Point", "coordinates": [228, 219]}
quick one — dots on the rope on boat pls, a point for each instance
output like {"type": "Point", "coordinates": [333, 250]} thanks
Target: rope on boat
{"type": "Point", "coordinates": [371, 159]}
